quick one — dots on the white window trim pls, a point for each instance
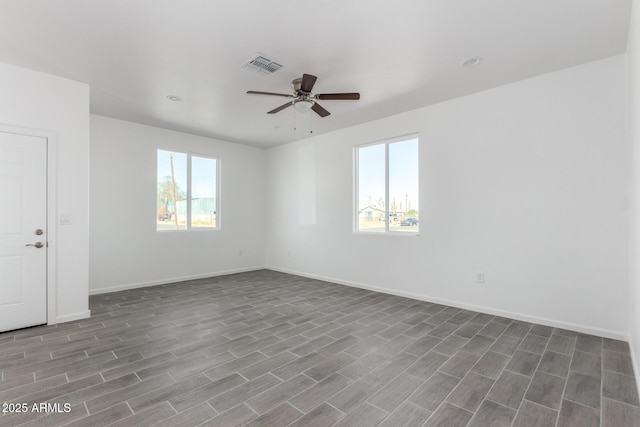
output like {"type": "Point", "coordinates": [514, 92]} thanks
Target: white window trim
{"type": "Point", "coordinates": [356, 185]}
{"type": "Point", "coordinates": [188, 191]}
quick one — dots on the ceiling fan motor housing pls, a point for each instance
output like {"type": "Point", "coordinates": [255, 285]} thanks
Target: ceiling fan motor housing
{"type": "Point", "coordinates": [296, 84]}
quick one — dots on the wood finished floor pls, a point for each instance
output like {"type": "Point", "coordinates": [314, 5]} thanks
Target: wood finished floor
{"type": "Point", "coordinates": [270, 349]}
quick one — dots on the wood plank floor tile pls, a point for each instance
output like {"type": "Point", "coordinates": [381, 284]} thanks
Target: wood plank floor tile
{"type": "Point", "coordinates": [273, 348]}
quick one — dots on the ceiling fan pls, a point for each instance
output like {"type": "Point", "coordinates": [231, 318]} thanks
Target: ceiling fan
{"type": "Point", "coordinates": [304, 99]}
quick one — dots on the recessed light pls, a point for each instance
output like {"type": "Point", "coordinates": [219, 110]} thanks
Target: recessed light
{"type": "Point", "coordinates": [174, 98]}
{"type": "Point", "coordinates": [472, 62]}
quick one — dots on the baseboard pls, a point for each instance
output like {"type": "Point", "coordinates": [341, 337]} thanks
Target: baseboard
{"type": "Point", "coordinates": [634, 363]}
{"type": "Point", "coordinates": [170, 280]}
{"type": "Point", "coordinates": [74, 316]}
{"type": "Point", "coordinates": [489, 310]}
{"type": "Point", "coordinates": [420, 297]}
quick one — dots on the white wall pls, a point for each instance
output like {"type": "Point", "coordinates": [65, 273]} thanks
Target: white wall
{"type": "Point", "coordinates": [526, 182]}
{"type": "Point", "coordinates": [42, 102]}
{"type": "Point", "coordinates": [126, 250]}
{"type": "Point", "coordinates": [633, 81]}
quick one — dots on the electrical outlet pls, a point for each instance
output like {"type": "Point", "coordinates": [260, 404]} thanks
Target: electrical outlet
{"type": "Point", "coordinates": [240, 252]}
{"type": "Point", "coordinates": [480, 277]}
{"type": "Point", "coordinates": [289, 253]}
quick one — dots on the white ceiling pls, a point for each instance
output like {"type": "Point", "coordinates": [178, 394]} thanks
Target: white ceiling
{"type": "Point", "coordinates": [399, 55]}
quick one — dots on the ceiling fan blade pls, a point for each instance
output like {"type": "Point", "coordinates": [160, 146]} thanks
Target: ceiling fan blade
{"type": "Point", "coordinates": [280, 108]}
{"type": "Point", "coordinates": [255, 92]}
{"type": "Point", "coordinates": [307, 82]}
{"type": "Point", "coordinates": [321, 111]}
{"type": "Point", "coordinates": [352, 95]}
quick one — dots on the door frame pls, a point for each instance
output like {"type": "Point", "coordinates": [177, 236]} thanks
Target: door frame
{"type": "Point", "coordinates": [52, 231]}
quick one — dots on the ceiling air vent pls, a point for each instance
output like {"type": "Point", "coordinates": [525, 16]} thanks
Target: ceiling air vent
{"type": "Point", "coordinates": [261, 64]}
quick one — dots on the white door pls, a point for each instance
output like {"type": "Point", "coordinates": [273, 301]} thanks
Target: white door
{"type": "Point", "coordinates": [23, 232]}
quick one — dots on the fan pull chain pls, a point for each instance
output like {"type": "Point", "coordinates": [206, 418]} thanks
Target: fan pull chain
{"type": "Point", "coordinates": [294, 120]}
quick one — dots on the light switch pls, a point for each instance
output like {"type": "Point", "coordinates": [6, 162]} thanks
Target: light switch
{"type": "Point", "coordinates": [65, 219]}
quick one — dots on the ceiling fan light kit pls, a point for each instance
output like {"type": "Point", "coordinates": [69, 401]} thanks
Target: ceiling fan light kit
{"type": "Point", "coordinates": [303, 98]}
{"type": "Point", "coordinates": [303, 105]}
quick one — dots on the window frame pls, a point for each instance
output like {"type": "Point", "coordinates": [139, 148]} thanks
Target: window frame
{"type": "Point", "coordinates": [188, 192]}
{"type": "Point", "coordinates": [356, 185]}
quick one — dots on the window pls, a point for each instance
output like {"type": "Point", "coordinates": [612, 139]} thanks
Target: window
{"type": "Point", "coordinates": [386, 176]}
{"type": "Point", "coordinates": [187, 191]}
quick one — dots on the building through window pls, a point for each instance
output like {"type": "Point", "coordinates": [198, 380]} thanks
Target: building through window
{"type": "Point", "coordinates": [387, 186]}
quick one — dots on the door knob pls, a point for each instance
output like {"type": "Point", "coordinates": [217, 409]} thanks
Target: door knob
{"type": "Point", "coordinates": [37, 245]}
